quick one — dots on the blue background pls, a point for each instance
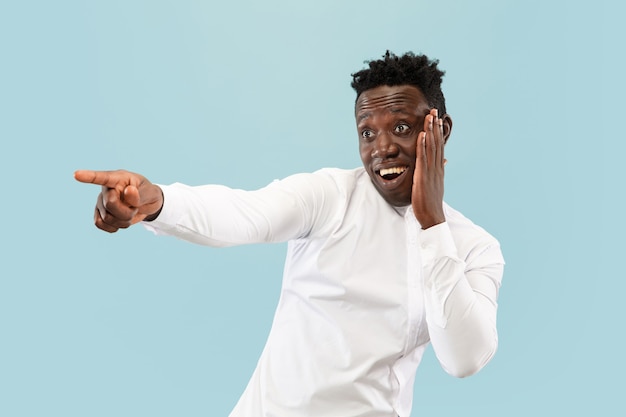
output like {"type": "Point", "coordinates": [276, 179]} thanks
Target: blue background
{"type": "Point", "coordinates": [242, 92]}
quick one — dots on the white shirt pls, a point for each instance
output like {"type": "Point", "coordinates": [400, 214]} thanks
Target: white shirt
{"type": "Point", "coordinates": [364, 291]}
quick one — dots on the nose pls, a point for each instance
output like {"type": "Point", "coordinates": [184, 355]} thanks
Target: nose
{"type": "Point", "coordinates": [384, 147]}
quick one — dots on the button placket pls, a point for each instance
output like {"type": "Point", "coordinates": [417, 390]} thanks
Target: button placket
{"type": "Point", "coordinates": [415, 302]}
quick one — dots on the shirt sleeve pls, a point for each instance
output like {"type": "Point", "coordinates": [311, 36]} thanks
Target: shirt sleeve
{"type": "Point", "coordinates": [460, 300]}
{"type": "Point", "coordinates": [298, 206]}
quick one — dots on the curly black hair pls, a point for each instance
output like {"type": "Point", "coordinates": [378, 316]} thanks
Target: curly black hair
{"type": "Point", "coordinates": [408, 69]}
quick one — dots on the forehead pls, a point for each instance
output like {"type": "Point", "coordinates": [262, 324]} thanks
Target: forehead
{"type": "Point", "coordinates": [388, 98]}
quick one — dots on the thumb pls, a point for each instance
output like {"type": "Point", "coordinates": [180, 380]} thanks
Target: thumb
{"type": "Point", "coordinates": [131, 196]}
{"type": "Point", "coordinates": [146, 197]}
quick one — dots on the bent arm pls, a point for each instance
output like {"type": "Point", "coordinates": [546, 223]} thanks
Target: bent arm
{"type": "Point", "coordinates": [460, 299]}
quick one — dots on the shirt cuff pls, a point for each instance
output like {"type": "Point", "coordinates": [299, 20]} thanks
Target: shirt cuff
{"type": "Point", "coordinates": [169, 216]}
{"type": "Point", "coordinates": [437, 242]}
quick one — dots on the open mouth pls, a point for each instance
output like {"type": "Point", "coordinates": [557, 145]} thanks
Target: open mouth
{"type": "Point", "coordinates": [390, 174]}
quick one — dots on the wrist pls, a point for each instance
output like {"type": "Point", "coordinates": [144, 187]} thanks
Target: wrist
{"type": "Point", "coordinates": [428, 221]}
{"type": "Point", "coordinates": [153, 216]}
{"type": "Point", "coordinates": [428, 225]}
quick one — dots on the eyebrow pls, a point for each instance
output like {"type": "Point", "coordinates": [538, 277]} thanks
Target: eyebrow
{"type": "Point", "coordinates": [394, 110]}
{"type": "Point", "coordinates": [364, 116]}
{"type": "Point", "coordinates": [399, 110]}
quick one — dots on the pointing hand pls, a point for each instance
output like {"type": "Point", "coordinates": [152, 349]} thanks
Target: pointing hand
{"type": "Point", "coordinates": [126, 198]}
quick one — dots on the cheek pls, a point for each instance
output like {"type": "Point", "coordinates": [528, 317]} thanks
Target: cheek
{"type": "Point", "coordinates": [366, 153]}
{"type": "Point", "coordinates": [409, 149]}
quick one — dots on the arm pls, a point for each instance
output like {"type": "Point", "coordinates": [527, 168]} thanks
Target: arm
{"type": "Point", "coordinates": [460, 294]}
{"type": "Point", "coordinates": [460, 301]}
{"type": "Point", "coordinates": [214, 215]}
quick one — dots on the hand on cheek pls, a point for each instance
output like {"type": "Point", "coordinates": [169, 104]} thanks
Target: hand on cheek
{"type": "Point", "coordinates": [427, 193]}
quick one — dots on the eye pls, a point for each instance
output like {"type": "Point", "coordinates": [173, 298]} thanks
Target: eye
{"type": "Point", "coordinates": [402, 128]}
{"type": "Point", "coordinates": [367, 134]}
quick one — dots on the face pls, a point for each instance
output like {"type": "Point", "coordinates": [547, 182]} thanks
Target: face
{"type": "Point", "coordinates": [389, 120]}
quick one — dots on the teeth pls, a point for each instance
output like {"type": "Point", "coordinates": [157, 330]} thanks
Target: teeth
{"type": "Point", "coordinates": [394, 170]}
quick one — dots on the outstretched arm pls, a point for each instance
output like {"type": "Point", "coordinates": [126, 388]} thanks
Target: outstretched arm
{"type": "Point", "coordinates": [126, 198]}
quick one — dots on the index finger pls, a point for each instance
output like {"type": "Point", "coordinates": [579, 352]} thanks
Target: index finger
{"type": "Point", "coordinates": [109, 179]}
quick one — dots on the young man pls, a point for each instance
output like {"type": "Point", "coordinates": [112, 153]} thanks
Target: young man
{"type": "Point", "coordinates": [377, 265]}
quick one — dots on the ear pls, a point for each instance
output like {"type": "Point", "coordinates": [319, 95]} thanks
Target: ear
{"type": "Point", "coordinates": [447, 127]}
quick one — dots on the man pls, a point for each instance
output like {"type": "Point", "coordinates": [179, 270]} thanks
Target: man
{"type": "Point", "coordinates": [377, 265]}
